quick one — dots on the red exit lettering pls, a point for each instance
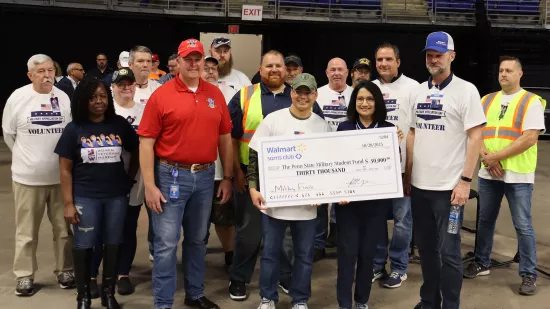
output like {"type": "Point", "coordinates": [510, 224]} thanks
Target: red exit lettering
{"type": "Point", "coordinates": [252, 12]}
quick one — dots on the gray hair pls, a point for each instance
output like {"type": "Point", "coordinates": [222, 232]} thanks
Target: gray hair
{"type": "Point", "coordinates": [173, 57]}
{"type": "Point", "coordinates": [138, 49]}
{"type": "Point", "coordinates": [70, 67]}
{"type": "Point", "coordinates": [36, 60]}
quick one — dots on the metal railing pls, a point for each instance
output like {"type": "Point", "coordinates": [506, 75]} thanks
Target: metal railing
{"type": "Point", "coordinates": [501, 13]}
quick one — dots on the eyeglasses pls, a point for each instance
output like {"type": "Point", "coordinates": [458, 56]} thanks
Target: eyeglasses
{"type": "Point", "coordinates": [101, 59]}
{"type": "Point", "coordinates": [210, 69]}
{"type": "Point", "coordinates": [123, 86]}
{"type": "Point", "coordinates": [303, 92]}
{"type": "Point", "coordinates": [81, 70]}
{"type": "Point", "coordinates": [362, 72]}
{"type": "Point", "coordinates": [369, 100]}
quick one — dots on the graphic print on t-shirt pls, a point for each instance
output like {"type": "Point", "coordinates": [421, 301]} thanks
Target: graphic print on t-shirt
{"type": "Point", "coordinates": [105, 148]}
{"type": "Point", "coordinates": [336, 110]}
{"type": "Point", "coordinates": [391, 106]}
{"type": "Point", "coordinates": [131, 121]}
{"type": "Point", "coordinates": [432, 109]}
{"type": "Point", "coordinates": [48, 115]}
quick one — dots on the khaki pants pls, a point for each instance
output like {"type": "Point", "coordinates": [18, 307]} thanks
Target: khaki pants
{"type": "Point", "coordinates": [30, 203]}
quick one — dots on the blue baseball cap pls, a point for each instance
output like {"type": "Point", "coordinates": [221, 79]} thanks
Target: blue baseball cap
{"type": "Point", "coordinates": [440, 41]}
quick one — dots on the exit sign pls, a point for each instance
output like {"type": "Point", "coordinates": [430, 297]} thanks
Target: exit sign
{"type": "Point", "coordinates": [252, 12]}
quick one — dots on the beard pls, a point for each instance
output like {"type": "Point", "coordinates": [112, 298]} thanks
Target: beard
{"type": "Point", "coordinates": [224, 68]}
{"type": "Point", "coordinates": [271, 82]}
{"type": "Point", "coordinates": [435, 70]}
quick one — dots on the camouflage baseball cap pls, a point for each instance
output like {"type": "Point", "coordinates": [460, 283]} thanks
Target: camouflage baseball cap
{"type": "Point", "coordinates": [305, 79]}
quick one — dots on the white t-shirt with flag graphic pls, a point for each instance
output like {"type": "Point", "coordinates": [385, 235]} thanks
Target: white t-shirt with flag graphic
{"type": "Point", "coordinates": [396, 96]}
{"type": "Point", "coordinates": [236, 80]}
{"type": "Point", "coordinates": [133, 116]}
{"type": "Point", "coordinates": [283, 123]}
{"type": "Point", "coordinates": [143, 94]}
{"type": "Point", "coordinates": [334, 104]}
{"type": "Point", "coordinates": [440, 119]}
{"type": "Point", "coordinates": [37, 121]}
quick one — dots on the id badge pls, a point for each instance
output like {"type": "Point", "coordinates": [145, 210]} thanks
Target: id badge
{"type": "Point", "coordinates": [174, 192]}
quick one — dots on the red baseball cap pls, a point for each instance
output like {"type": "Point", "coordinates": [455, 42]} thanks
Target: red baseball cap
{"type": "Point", "coordinates": [188, 46]}
{"type": "Point", "coordinates": [156, 57]}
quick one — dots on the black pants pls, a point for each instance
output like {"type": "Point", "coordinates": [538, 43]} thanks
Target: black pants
{"type": "Point", "coordinates": [360, 226]}
{"type": "Point", "coordinates": [128, 247]}
{"type": "Point", "coordinates": [440, 256]}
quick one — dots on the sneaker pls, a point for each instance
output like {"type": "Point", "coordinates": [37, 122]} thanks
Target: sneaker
{"type": "Point", "coordinates": [94, 289]}
{"type": "Point", "coordinates": [377, 274]}
{"type": "Point", "coordinates": [300, 306]}
{"type": "Point", "coordinates": [475, 269]}
{"type": "Point", "coordinates": [151, 258]}
{"type": "Point", "coordinates": [284, 284]}
{"type": "Point", "coordinates": [318, 254]}
{"type": "Point", "coordinates": [528, 285]}
{"type": "Point", "coordinates": [267, 304]}
{"type": "Point", "coordinates": [66, 280]}
{"type": "Point", "coordinates": [24, 287]}
{"type": "Point", "coordinates": [124, 286]}
{"type": "Point", "coordinates": [394, 280]}
{"type": "Point", "coordinates": [237, 290]}
{"type": "Point", "coordinates": [361, 306]}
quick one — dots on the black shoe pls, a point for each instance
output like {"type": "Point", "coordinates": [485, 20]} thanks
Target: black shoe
{"type": "Point", "coordinates": [331, 239]}
{"type": "Point", "coordinates": [110, 255]}
{"type": "Point", "coordinates": [418, 306]}
{"type": "Point", "coordinates": [94, 289]}
{"type": "Point", "coordinates": [475, 269]}
{"type": "Point", "coordinates": [284, 284]}
{"type": "Point", "coordinates": [82, 261]}
{"type": "Point", "coordinates": [528, 285]}
{"type": "Point", "coordinates": [25, 287]}
{"type": "Point", "coordinates": [124, 286]}
{"type": "Point", "coordinates": [318, 254]}
{"type": "Point", "coordinates": [66, 280]}
{"type": "Point", "coordinates": [237, 290]}
{"type": "Point", "coordinates": [202, 303]}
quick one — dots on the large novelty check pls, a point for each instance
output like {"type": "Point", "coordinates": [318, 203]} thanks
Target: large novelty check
{"type": "Point", "coordinates": [330, 167]}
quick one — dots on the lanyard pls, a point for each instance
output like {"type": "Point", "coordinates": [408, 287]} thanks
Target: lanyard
{"type": "Point", "coordinates": [175, 173]}
{"type": "Point", "coordinates": [358, 127]}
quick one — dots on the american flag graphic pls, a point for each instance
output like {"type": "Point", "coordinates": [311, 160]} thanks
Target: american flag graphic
{"type": "Point", "coordinates": [143, 101]}
{"type": "Point", "coordinates": [386, 96]}
{"type": "Point", "coordinates": [45, 107]}
{"type": "Point", "coordinates": [298, 133]}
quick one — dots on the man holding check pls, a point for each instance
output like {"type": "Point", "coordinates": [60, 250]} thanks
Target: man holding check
{"type": "Point", "coordinates": [298, 119]}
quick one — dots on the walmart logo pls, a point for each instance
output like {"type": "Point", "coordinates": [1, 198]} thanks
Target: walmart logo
{"type": "Point", "coordinates": [296, 148]}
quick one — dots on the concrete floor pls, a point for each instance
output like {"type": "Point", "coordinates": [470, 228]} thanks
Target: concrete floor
{"type": "Point", "coordinates": [499, 290]}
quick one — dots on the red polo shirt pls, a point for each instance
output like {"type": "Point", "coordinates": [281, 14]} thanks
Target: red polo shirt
{"type": "Point", "coordinates": [186, 124]}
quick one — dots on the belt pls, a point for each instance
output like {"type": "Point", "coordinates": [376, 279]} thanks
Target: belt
{"type": "Point", "coordinates": [193, 168]}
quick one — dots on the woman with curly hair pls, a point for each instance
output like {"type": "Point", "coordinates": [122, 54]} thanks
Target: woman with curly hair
{"type": "Point", "coordinates": [95, 185]}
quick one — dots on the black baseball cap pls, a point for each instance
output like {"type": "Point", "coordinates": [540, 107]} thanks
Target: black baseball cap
{"type": "Point", "coordinates": [123, 73]}
{"type": "Point", "coordinates": [293, 59]}
{"type": "Point", "coordinates": [210, 58]}
{"type": "Point", "coordinates": [362, 62]}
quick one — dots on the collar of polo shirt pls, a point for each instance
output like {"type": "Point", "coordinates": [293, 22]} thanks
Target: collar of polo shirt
{"type": "Point", "coordinates": [444, 84]}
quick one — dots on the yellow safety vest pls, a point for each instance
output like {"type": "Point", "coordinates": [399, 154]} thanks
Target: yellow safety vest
{"type": "Point", "coordinates": [251, 105]}
{"type": "Point", "coordinates": [499, 133]}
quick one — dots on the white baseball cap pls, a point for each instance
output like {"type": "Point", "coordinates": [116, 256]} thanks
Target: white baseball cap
{"type": "Point", "coordinates": [123, 58]}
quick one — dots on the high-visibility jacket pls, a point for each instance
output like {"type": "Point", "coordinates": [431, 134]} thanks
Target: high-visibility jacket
{"type": "Point", "coordinates": [499, 133]}
{"type": "Point", "coordinates": [251, 105]}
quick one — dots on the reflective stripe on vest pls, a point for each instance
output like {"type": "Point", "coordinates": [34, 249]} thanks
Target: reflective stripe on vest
{"type": "Point", "coordinates": [507, 132]}
{"type": "Point", "coordinates": [502, 132]}
{"type": "Point", "coordinates": [251, 105]}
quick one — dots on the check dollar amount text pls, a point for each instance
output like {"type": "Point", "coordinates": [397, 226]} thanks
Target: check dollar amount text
{"type": "Point", "coordinates": [321, 168]}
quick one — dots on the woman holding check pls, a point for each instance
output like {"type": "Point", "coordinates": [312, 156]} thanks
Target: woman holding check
{"type": "Point", "coordinates": [364, 220]}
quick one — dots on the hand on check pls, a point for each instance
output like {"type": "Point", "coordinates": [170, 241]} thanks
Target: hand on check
{"type": "Point", "coordinates": [257, 199]}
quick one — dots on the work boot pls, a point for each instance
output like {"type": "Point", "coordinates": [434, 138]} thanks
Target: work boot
{"type": "Point", "coordinates": [82, 259]}
{"type": "Point", "coordinates": [110, 255]}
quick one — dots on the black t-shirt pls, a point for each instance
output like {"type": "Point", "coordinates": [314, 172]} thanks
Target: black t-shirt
{"type": "Point", "coordinates": [96, 151]}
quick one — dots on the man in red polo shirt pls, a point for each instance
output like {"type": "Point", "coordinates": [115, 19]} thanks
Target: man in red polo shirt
{"type": "Point", "coordinates": [184, 124]}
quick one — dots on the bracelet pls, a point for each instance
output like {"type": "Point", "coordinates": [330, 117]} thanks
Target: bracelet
{"type": "Point", "coordinates": [466, 179]}
{"type": "Point", "coordinates": [230, 178]}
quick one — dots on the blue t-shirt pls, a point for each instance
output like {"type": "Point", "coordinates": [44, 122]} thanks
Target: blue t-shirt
{"type": "Point", "coordinates": [96, 151]}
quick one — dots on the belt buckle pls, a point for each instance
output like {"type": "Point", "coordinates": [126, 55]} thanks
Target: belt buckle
{"type": "Point", "coordinates": [192, 170]}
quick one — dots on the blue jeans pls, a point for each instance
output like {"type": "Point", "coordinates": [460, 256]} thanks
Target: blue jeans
{"type": "Point", "coordinates": [361, 226]}
{"type": "Point", "coordinates": [401, 238]}
{"type": "Point", "coordinates": [287, 256]}
{"type": "Point", "coordinates": [193, 207]}
{"type": "Point", "coordinates": [440, 256]}
{"type": "Point", "coordinates": [303, 234]}
{"type": "Point", "coordinates": [322, 226]}
{"type": "Point", "coordinates": [99, 217]}
{"type": "Point", "coordinates": [128, 246]}
{"type": "Point", "coordinates": [519, 196]}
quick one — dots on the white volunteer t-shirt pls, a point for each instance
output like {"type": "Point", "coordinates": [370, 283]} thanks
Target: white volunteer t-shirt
{"type": "Point", "coordinates": [534, 120]}
{"type": "Point", "coordinates": [283, 123]}
{"type": "Point", "coordinates": [37, 121]}
{"type": "Point", "coordinates": [143, 94]}
{"type": "Point", "coordinates": [440, 119]}
{"type": "Point", "coordinates": [228, 94]}
{"type": "Point", "coordinates": [236, 80]}
{"type": "Point", "coordinates": [396, 96]}
{"type": "Point", "coordinates": [334, 104]}
{"type": "Point", "coordinates": [133, 116]}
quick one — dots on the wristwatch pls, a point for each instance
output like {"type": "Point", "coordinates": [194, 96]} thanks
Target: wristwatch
{"type": "Point", "coordinates": [466, 179]}
{"type": "Point", "coordinates": [230, 178]}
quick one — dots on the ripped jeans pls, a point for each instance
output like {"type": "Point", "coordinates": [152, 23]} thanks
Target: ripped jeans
{"type": "Point", "coordinates": [99, 217]}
